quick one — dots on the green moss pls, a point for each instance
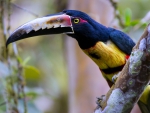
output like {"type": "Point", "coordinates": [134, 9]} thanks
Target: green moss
{"type": "Point", "coordinates": [131, 82]}
{"type": "Point", "coordinates": [134, 66]}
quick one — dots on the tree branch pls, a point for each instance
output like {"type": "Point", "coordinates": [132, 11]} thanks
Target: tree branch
{"type": "Point", "coordinates": [132, 81]}
{"type": "Point", "coordinates": [114, 4]}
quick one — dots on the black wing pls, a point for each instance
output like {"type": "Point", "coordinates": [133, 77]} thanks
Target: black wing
{"type": "Point", "coordinates": [122, 40]}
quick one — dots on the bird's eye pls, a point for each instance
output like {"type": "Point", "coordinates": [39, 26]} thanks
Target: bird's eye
{"type": "Point", "coordinates": [76, 20]}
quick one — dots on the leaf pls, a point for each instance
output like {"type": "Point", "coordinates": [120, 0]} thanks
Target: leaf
{"type": "Point", "coordinates": [135, 22]}
{"type": "Point", "coordinates": [23, 62]}
{"type": "Point", "coordinates": [26, 61]}
{"type": "Point", "coordinates": [32, 74]}
{"type": "Point", "coordinates": [32, 94]}
{"type": "Point", "coordinates": [128, 16]}
{"type": "Point", "coordinates": [19, 59]}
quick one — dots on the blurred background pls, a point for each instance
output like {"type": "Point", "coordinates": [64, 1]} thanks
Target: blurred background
{"type": "Point", "coordinates": [59, 77]}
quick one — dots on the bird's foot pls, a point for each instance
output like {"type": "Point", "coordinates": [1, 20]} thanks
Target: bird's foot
{"type": "Point", "coordinates": [114, 78]}
{"type": "Point", "coordinates": [99, 100]}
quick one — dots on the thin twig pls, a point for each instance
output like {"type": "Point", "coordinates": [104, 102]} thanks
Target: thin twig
{"type": "Point", "coordinates": [8, 96]}
{"type": "Point", "coordinates": [2, 28]}
{"type": "Point", "coordinates": [30, 12]}
{"type": "Point", "coordinates": [3, 40]}
{"type": "Point", "coordinates": [9, 14]}
{"type": "Point", "coordinates": [20, 85]}
{"type": "Point", "coordinates": [116, 13]}
{"type": "Point", "coordinates": [5, 96]}
{"type": "Point", "coordinates": [15, 99]}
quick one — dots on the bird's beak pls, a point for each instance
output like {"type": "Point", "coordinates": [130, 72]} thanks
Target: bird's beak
{"type": "Point", "coordinates": [52, 24]}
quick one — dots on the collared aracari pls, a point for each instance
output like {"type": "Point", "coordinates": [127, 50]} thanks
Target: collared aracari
{"type": "Point", "coordinates": [107, 47]}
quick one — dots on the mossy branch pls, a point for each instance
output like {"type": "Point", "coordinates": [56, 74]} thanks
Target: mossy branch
{"type": "Point", "coordinates": [132, 81]}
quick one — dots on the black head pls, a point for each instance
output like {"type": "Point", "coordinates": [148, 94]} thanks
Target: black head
{"type": "Point", "coordinates": [86, 30]}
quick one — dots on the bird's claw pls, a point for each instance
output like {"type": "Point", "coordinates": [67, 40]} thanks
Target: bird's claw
{"type": "Point", "coordinates": [99, 100]}
{"type": "Point", "coordinates": [114, 78]}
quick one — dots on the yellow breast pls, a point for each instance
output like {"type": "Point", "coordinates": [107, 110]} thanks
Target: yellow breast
{"type": "Point", "coordinates": [106, 55]}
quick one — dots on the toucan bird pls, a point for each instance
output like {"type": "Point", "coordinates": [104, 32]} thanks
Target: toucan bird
{"type": "Point", "coordinates": [107, 47]}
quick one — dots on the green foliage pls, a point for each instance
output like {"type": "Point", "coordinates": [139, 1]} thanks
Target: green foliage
{"type": "Point", "coordinates": [131, 24]}
{"type": "Point", "coordinates": [9, 84]}
{"type": "Point", "coordinates": [128, 16]}
{"type": "Point", "coordinates": [32, 75]}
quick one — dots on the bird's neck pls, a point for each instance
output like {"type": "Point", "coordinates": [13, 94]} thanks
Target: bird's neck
{"type": "Point", "coordinates": [90, 36]}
